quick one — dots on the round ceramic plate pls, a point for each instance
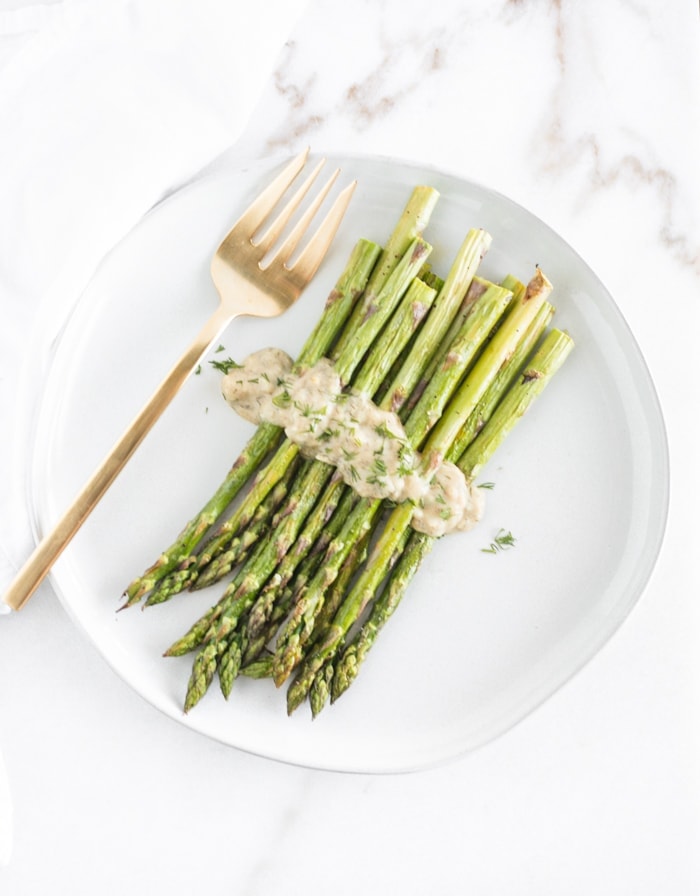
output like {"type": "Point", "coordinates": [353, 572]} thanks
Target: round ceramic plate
{"type": "Point", "coordinates": [480, 639]}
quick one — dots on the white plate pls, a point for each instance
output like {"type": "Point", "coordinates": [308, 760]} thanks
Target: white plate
{"type": "Point", "coordinates": [481, 639]}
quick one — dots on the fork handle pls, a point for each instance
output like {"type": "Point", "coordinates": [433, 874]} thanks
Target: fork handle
{"type": "Point", "coordinates": [52, 545]}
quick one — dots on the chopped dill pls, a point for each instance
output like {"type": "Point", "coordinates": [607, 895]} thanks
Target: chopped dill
{"type": "Point", "coordinates": [384, 431]}
{"type": "Point", "coordinates": [501, 542]}
{"type": "Point", "coordinates": [226, 365]}
{"type": "Point", "coordinates": [379, 465]}
{"type": "Point", "coordinates": [282, 400]}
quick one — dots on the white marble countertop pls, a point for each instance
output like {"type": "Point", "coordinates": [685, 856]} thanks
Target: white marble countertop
{"type": "Point", "coordinates": [586, 114]}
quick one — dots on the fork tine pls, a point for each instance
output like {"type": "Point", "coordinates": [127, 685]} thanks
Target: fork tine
{"type": "Point", "coordinates": [260, 208]}
{"type": "Point", "coordinates": [285, 250]}
{"type": "Point", "coordinates": [265, 243]}
{"type": "Point", "coordinates": [315, 250]}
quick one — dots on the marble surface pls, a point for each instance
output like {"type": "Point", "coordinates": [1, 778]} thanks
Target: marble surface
{"type": "Point", "coordinates": [587, 114]}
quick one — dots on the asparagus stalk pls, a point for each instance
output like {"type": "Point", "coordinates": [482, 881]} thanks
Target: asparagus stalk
{"type": "Point", "coordinates": [396, 532]}
{"type": "Point", "coordinates": [260, 667]}
{"type": "Point", "coordinates": [304, 557]}
{"type": "Point", "coordinates": [260, 630]}
{"type": "Point", "coordinates": [475, 290]}
{"type": "Point", "coordinates": [281, 569]}
{"type": "Point", "coordinates": [503, 378]}
{"type": "Point", "coordinates": [477, 419]}
{"type": "Point", "coordinates": [534, 378]}
{"type": "Point", "coordinates": [475, 245]}
{"type": "Point", "coordinates": [459, 281]}
{"type": "Point", "coordinates": [485, 313]}
{"type": "Point", "coordinates": [496, 426]}
{"type": "Point", "coordinates": [278, 556]}
{"type": "Point", "coordinates": [410, 226]}
{"type": "Point", "coordinates": [411, 311]}
{"type": "Point", "coordinates": [239, 654]}
{"type": "Point", "coordinates": [320, 689]}
{"type": "Point", "coordinates": [408, 229]}
{"type": "Point", "coordinates": [400, 329]}
{"type": "Point", "coordinates": [338, 588]}
{"type": "Point", "coordinates": [230, 656]}
{"type": "Point", "coordinates": [258, 527]}
{"type": "Point", "coordinates": [374, 312]}
{"type": "Point", "coordinates": [366, 259]}
{"type": "Point", "coordinates": [227, 656]}
{"type": "Point", "coordinates": [242, 593]}
{"type": "Point", "coordinates": [339, 304]}
{"type": "Point", "coordinates": [198, 632]}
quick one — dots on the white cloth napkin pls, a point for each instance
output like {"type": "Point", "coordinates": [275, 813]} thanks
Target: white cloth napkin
{"type": "Point", "coordinates": [105, 108]}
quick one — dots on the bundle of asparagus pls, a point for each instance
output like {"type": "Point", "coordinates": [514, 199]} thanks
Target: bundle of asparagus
{"type": "Point", "coordinates": [316, 570]}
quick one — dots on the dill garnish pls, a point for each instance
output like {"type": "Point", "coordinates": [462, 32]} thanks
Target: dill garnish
{"type": "Point", "coordinates": [501, 542]}
{"type": "Point", "coordinates": [226, 365]}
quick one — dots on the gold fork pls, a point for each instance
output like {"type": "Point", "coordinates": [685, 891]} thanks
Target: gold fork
{"type": "Point", "coordinates": [252, 277]}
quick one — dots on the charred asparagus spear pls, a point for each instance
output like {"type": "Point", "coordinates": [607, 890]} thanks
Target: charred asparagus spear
{"type": "Point", "coordinates": [395, 534]}
{"type": "Point", "coordinates": [531, 380]}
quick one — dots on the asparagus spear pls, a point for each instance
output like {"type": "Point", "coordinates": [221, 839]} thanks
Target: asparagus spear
{"type": "Point", "coordinates": [413, 308]}
{"type": "Point", "coordinates": [338, 307]}
{"type": "Point", "coordinates": [474, 246]}
{"type": "Point", "coordinates": [279, 609]}
{"type": "Point", "coordinates": [520, 396]}
{"type": "Point", "coordinates": [537, 374]}
{"type": "Point", "coordinates": [409, 228]}
{"type": "Point", "coordinates": [277, 555]}
{"type": "Point", "coordinates": [240, 650]}
{"type": "Point", "coordinates": [504, 377]}
{"type": "Point", "coordinates": [476, 421]}
{"type": "Point", "coordinates": [320, 689]}
{"type": "Point", "coordinates": [407, 318]}
{"type": "Point", "coordinates": [461, 275]}
{"type": "Point", "coordinates": [459, 280]}
{"type": "Point", "coordinates": [375, 310]}
{"type": "Point", "coordinates": [227, 656]}
{"type": "Point", "coordinates": [485, 313]}
{"type": "Point", "coordinates": [367, 258]}
{"type": "Point", "coordinates": [396, 532]}
{"type": "Point", "coordinates": [260, 667]}
{"type": "Point", "coordinates": [304, 558]}
{"type": "Point", "coordinates": [241, 594]}
{"type": "Point", "coordinates": [419, 544]}
{"type": "Point", "coordinates": [338, 588]}
{"type": "Point", "coordinates": [260, 630]}
{"type": "Point", "coordinates": [258, 527]}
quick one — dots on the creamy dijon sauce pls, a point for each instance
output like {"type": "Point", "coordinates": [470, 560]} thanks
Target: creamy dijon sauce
{"type": "Point", "coordinates": [345, 428]}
